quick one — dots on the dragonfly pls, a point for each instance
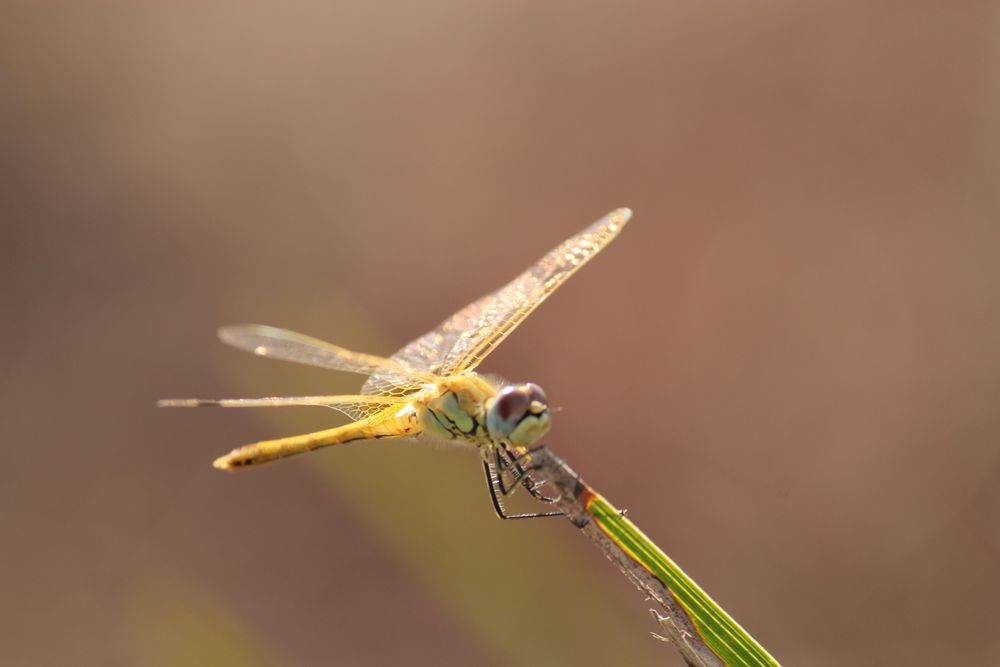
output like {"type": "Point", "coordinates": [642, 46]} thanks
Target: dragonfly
{"type": "Point", "coordinates": [430, 388]}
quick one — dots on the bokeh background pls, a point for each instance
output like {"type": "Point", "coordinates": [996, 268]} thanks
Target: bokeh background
{"type": "Point", "coordinates": [786, 368]}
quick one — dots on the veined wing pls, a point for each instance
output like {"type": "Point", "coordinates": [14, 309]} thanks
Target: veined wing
{"type": "Point", "coordinates": [355, 407]}
{"type": "Point", "coordinates": [466, 338]}
{"type": "Point", "coordinates": [278, 343]}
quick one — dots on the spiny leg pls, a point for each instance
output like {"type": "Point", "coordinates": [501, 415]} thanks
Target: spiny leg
{"type": "Point", "coordinates": [504, 461]}
{"type": "Point", "coordinates": [503, 464]}
{"type": "Point", "coordinates": [500, 465]}
{"type": "Point", "coordinates": [493, 482]}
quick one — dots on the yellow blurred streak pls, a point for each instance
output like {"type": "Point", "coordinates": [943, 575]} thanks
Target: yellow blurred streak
{"type": "Point", "coordinates": [171, 621]}
{"type": "Point", "coordinates": [520, 588]}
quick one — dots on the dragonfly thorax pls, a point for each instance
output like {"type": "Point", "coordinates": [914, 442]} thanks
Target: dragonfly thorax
{"type": "Point", "coordinates": [468, 407]}
{"type": "Point", "coordinates": [456, 408]}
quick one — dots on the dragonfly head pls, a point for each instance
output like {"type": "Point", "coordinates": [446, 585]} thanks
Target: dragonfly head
{"type": "Point", "coordinates": [519, 414]}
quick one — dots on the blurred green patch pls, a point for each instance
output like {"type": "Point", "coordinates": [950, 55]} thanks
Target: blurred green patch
{"type": "Point", "coordinates": [173, 622]}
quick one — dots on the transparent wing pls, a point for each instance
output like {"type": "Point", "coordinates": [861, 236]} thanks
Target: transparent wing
{"type": "Point", "coordinates": [278, 343]}
{"type": "Point", "coordinates": [466, 338]}
{"type": "Point", "coordinates": [355, 407]}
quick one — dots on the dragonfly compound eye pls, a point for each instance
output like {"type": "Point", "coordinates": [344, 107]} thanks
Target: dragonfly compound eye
{"type": "Point", "coordinates": [511, 404]}
{"type": "Point", "coordinates": [519, 414]}
{"type": "Point", "coordinates": [536, 394]}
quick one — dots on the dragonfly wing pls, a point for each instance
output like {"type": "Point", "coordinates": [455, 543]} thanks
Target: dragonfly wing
{"type": "Point", "coordinates": [355, 407]}
{"type": "Point", "coordinates": [278, 343]}
{"type": "Point", "coordinates": [466, 338]}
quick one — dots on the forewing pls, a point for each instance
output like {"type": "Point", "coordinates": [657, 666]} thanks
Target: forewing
{"type": "Point", "coordinates": [466, 338]}
{"type": "Point", "coordinates": [278, 343]}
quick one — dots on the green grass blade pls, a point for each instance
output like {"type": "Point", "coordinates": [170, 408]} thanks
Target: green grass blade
{"type": "Point", "coordinates": [720, 632]}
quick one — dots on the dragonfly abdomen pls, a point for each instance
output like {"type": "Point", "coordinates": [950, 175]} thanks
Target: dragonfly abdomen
{"type": "Point", "coordinates": [400, 425]}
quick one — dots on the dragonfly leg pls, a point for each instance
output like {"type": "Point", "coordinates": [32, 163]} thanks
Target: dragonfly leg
{"type": "Point", "coordinates": [505, 461]}
{"type": "Point", "coordinates": [493, 482]}
{"type": "Point", "coordinates": [518, 475]}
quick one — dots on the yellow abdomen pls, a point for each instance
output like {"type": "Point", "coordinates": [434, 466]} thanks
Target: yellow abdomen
{"type": "Point", "coordinates": [403, 423]}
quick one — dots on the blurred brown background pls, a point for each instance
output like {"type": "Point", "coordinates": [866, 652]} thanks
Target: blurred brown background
{"type": "Point", "coordinates": [786, 368]}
